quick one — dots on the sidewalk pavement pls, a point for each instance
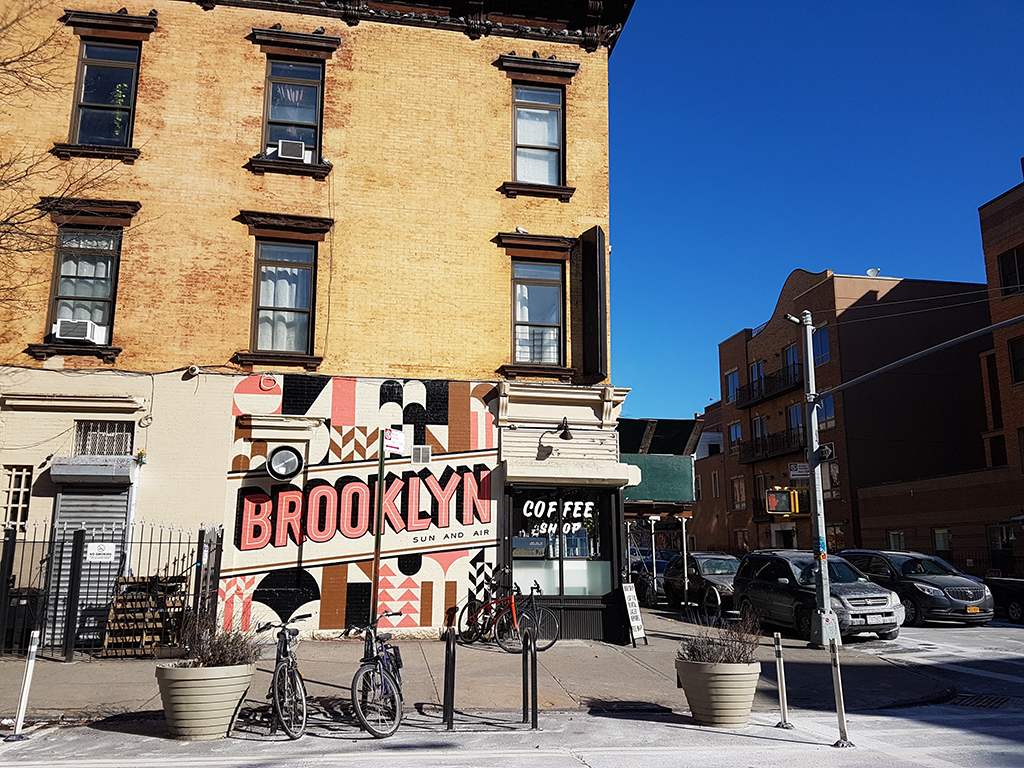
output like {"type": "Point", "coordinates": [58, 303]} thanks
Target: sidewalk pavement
{"type": "Point", "coordinates": [574, 675]}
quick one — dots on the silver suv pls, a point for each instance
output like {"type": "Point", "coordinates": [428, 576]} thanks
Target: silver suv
{"type": "Point", "coordinates": [778, 586]}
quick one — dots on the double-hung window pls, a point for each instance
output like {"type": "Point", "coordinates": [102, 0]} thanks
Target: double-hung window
{"type": "Point", "coordinates": [1011, 271]}
{"type": "Point", "coordinates": [538, 135]}
{"type": "Point", "coordinates": [732, 386]}
{"type": "Point", "coordinates": [820, 346]}
{"type": "Point", "coordinates": [293, 114]}
{"type": "Point", "coordinates": [107, 79]}
{"type": "Point", "coordinates": [284, 296]}
{"type": "Point", "coordinates": [539, 314]}
{"type": "Point", "coordinates": [85, 285]}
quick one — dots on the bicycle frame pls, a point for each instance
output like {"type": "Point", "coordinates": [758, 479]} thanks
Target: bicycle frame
{"type": "Point", "coordinates": [488, 614]}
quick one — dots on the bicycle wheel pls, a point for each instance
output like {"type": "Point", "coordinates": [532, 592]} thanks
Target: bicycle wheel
{"type": "Point", "coordinates": [507, 634]}
{"type": "Point", "coordinates": [377, 700]}
{"type": "Point", "coordinates": [289, 695]}
{"type": "Point", "coordinates": [544, 625]}
{"type": "Point", "coordinates": [470, 627]}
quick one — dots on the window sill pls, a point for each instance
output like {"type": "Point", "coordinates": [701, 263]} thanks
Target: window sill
{"type": "Point", "coordinates": [107, 354]}
{"type": "Point", "coordinates": [261, 165]}
{"type": "Point", "coordinates": [248, 359]}
{"type": "Point", "coordinates": [559, 372]}
{"type": "Point", "coordinates": [516, 188]}
{"type": "Point", "coordinates": [126, 155]}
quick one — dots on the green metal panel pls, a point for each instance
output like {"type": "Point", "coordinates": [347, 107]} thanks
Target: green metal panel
{"type": "Point", "coordinates": [665, 478]}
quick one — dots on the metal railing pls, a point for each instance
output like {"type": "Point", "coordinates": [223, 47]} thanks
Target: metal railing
{"type": "Point", "coordinates": [775, 444]}
{"type": "Point", "coordinates": [772, 384]}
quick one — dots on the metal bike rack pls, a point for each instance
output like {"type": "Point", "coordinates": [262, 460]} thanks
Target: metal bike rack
{"type": "Point", "coordinates": [530, 679]}
{"type": "Point", "coordinates": [449, 680]}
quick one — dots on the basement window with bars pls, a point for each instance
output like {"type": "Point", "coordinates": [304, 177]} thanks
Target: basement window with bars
{"type": "Point", "coordinates": [104, 438]}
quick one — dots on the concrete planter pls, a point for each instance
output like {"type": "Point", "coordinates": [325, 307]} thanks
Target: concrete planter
{"type": "Point", "coordinates": [201, 702]}
{"type": "Point", "coordinates": [718, 695]}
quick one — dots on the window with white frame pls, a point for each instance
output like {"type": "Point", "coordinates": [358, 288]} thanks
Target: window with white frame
{"type": "Point", "coordinates": [539, 318]}
{"type": "Point", "coordinates": [538, 135]}
{"type": "Point", "coordinates": [896, 539]}
{"type": "Point", "coordinates": [285, 274]}
{"type": "Point", "coordinates": [714, 485]}
{"type": "Point", "coordinates": [17, 488]}
{"type": "Point", "coordinates": [942, 539]}
{"type": "Point", "coordinates": [85, 284]}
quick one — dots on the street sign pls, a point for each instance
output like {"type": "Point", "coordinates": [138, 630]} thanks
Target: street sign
{"type": "Point", "coordinates": [394, 440]}
{"type": "Point", "coordinates": [826, 451]}
{"type": "Point", "coordinates": [799, 469]}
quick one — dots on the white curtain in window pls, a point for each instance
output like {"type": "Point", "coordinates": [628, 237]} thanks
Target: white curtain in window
{"type": "Point", "coordinates": [282, 289]}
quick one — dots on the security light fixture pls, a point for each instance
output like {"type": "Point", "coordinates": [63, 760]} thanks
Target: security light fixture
{"type": "Point", "coordinates": [284, 463]}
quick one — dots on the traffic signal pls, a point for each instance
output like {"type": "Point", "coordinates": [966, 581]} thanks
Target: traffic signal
{"type": "Point", "coordinates": [783, 501]}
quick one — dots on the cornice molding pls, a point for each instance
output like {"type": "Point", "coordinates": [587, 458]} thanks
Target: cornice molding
{"type": "Point", "coordinates": [119, 25]}
{"type": "Point", "coordinates": [589, 24]}
{"type": "Point", "coordinates": [535, 68]}
{"type": "Point", "coordinates": [84, 211]}
{"type": "Point", "coordinates": [283, 42]}
{"type": "Point", "coordinates": [312, 227]}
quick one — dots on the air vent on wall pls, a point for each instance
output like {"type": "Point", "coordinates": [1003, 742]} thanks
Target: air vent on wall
{"type": "Point", "coordinates": [421, 454]}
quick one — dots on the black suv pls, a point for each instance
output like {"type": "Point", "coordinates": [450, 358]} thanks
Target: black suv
{"type": "Point", "coordinates": [710, 580]}
{"type": "Point", "coordinates": [778, 586]}
{"type": "Point", "coordinates": [928, 587]}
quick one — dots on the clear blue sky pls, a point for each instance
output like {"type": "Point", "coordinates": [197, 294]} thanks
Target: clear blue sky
{"type": "Point", "coordinates": [750, 138]}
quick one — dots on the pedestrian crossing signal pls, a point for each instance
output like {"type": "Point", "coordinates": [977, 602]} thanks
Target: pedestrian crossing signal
{"type": "Point", "coordinates": [782, 501]}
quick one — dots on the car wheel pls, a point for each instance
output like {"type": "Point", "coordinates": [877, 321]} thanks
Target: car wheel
{"type": "Point", "coordinates": [712, 601]}
{"type": "Point", "coordinates": [890, 635]}
{"type": "Point", "coordinates": [802, 624]}
{"type": "Point", "coordinates": [670, 597]}
{"type": "Point", "coordinates": [747, 611]}
{"type": "Point", "coordinates": [912, 611]}
{"type": "Point", "coordinates": [1015, 611]}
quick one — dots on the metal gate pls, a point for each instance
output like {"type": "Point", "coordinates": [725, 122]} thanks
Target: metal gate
{"type": "Point", "coordinates": [107, 590]}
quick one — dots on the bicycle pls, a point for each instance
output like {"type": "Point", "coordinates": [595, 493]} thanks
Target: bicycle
{"type": "Point", "coordinates": [541, 620]}
{"type": "Point", "coordinates": [377, 684]}
{"type": "Point", "coordinates": [287, 688]}
{"type": "Point", "coordinates": [478, 618]}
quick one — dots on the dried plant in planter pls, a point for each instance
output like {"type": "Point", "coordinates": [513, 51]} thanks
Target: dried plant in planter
{"type": "Point", "coordinates": [206, 646]}
{"type": "Point", "coordinates": [736, 644]}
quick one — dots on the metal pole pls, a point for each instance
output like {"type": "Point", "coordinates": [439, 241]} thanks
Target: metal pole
{"type": "Point", "coordinates": [26, 683]}
{"type": "Point", "coordinates": [780, 670]}
{"type": "Point", "coordinates": [449, 681]}
{"type": "Point", "coordinates": [74, 593]}
{"type": "Point", "coordinates": [824, 626]}
{"type": "Point", "coordinates": [378, 528]}
{"type": "Point", "coordinates": [837, 682]}
{"type": "Point", "coordinates": [532, 642]}
{"type": "Point", "coordinates": [686, 568]}
{"type": "Point", "coordinates": [526, 679]}
{"type": "Point", "coordinates": [6, 582]}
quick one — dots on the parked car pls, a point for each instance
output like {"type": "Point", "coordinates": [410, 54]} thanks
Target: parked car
{"type": "Point", "coordinates": [1008, 594]}
{"type": "Point", "coordinates": [927, 588]}
{"type": "Point", "coordinates": [650, 583]}
{"type": "Point", "coordinates": [709, 576]}
{"type": "Point", "coordinates": [778, 586]}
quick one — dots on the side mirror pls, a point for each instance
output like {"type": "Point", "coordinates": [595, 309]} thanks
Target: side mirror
{"type": "Point", "coordinates": [783, 581]}
{"type": "Point", "coordinates": [691, 571]}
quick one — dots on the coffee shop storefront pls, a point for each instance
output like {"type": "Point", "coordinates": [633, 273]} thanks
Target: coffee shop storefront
{"type": "Point", "coordinates": [562, 513]}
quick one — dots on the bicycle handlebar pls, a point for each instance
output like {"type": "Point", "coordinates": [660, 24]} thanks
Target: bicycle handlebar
{"type": "Point", "coordinates": [373, 626]}
{"type": "Point", "coordinates": [282, 624]}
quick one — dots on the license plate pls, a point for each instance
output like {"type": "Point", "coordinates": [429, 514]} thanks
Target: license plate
{"type": "Point", "coordinates": [874, 619]}
{"type": "Point", "coordinates": [973, 609]}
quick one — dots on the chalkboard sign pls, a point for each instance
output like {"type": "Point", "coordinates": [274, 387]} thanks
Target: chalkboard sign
{"type": "Point", "coordinates": [636, 620]}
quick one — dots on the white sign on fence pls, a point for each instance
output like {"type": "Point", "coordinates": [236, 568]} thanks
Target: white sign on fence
{"type": "Point", "coordinates": [100, 552]}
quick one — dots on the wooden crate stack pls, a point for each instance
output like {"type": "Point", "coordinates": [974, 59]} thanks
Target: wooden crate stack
{"type": "Point", "coordinates": [145, 614]}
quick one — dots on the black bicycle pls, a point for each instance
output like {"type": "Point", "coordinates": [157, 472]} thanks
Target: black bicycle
{"type": "Point", "coordinates": [540, 620]}
{"type": "Point", "coordinates": [377, 684]}
{"type": "Point", "coordinates": [287, 689]}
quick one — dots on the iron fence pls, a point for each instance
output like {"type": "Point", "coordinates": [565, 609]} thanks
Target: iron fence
{"type": "Point", "coordinates": [109, 591]}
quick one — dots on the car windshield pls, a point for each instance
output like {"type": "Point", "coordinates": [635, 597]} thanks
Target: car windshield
{"type": "Point", "coordinates": [918, 566]}
{"type": "Point", "coordinates": [839, 572]}
{"type": "Point", "coordinates": [718, 566]}
{"type": "Point", "coordinates": [949, 567]}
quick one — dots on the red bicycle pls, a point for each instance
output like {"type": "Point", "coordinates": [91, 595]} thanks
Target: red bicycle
{"type": "Point", "coordinates": [478, 618]}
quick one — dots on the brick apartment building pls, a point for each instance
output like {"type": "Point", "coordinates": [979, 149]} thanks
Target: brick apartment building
{"type": "Point", "coordinates": [288, 226]}
{"type": "Point", "coordinates": [975, 519]}
{"type": "Point", "coordinates": [909, 423]}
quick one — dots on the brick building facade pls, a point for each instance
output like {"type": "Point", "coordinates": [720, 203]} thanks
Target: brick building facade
{"type": "Point", "coordinates": [288, 226]}
{"type": "Point", "coordinates": [882, 430]}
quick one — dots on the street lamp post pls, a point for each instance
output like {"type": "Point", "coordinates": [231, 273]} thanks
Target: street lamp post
{"type": "Point", "coordinates": [824, 625]}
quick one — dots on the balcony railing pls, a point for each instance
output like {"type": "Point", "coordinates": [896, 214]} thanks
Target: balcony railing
{"type": "Point", "coordinates": [784, 380]}
{"type": "Point", "coordinates": [776, 444]}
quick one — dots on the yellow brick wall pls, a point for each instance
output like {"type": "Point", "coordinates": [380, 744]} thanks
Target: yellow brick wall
{"type": "Point", "coordinates": [418, 126]}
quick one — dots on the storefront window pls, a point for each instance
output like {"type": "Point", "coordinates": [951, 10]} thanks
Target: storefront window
{"type": "Point", "coordinates": [560, 538]}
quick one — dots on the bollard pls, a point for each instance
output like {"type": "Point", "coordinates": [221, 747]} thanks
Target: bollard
{"type": "Point", "coordinates": [449, 680]}
{"type": "Point", "coordinates": [837, 682]}
{"type": "Point", "coordinates": [781, 672]}
{"type": "Point", "coordinates": [530, 678]}
{"type": "Point", "coordinates": [26, 683]}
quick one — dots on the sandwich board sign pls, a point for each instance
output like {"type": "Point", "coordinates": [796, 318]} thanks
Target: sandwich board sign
{"type": "Point", "coordinates": [636, 619]}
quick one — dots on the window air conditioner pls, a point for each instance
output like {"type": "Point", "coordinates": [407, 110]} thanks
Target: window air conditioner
{"type": "Point", "coordinates": [292, 150]}
{"type": "Point", "coordinates": [80, 330]}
